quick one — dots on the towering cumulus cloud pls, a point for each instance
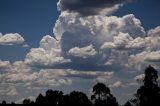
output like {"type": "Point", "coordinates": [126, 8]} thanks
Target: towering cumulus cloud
{"type": "Point", "coordinates": [100, 39]}
{"type": "Point", "coordinates": [91, 7]}
{"type": "Point", "coordinates": [95, 38]}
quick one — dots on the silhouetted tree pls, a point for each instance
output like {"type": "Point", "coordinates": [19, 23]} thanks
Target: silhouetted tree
{"type": "Point", "coordinates": [128, 104]}
{"type": "Point", "coordinates": [66, 100]}
{"type": "Point", "coordinates": [102, 96]}
{"type": "Point", "coordinates": [12, 103]}
{"type": "Point", "coordinates": [4, 102]}
{"type": "Point", "coordinates": [132, 102]}
{"type": "Point", "coordinates": [28, 101]}
{"type": "Point", "coordinates": [149, 93]}
{"type": "Point", "coordinates": [54, 97]}
{"type": "Point", "coordinates": [78, 98]}
{"type": "Point", "coordinates": [40, 99]}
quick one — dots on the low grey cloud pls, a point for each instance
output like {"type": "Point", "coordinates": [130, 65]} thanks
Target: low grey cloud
{"type": "Point", "coordinates": [8, 90]}
{"type": "Point", "coordinates": [21, 74]}
{"type": "Point", "coordinates": [91, 7]}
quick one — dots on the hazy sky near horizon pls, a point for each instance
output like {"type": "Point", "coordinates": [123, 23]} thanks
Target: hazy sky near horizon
{"type": "Point", "coordinates": [72, 45]}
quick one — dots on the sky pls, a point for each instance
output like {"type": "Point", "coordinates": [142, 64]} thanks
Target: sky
{"type": "Point", "coordinates": [72, 45]}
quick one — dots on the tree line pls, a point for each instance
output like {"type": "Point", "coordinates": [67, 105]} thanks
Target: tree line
{"type": "Point", "coordinates": [147, 95]}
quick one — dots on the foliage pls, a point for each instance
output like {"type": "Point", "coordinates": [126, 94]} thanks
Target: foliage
{"type": "Point", "coordinates": [149, 93]}
{"type": "Point", "coordinates": [102, 96]}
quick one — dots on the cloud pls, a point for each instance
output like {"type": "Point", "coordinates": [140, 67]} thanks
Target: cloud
{"type": "Point", "coordinates": [150, 53]}
{"type": "Point", "coordinates": [141, 60]}
{"type": "Point", "coordinates": [25, 76]}
{"type": "Point", "coordinates": [17, 72]}
{"type": "Point", "coordinates": [137, 43]}
{"type": "Point", "coordinates": [51, 77]}
{"type": "Point", "coordinates": [33, 81]}
{"type": "Point", "coordinates": [11, 39]}
{"type": "Point", "coordinates": [152, 39]}
{"type": "Point", "coordinates": [91, 7]}
{"type": "Point", "coordinates": [8, 91]}
{"type": "Point", "coordinates": [20, 74]}
{"type": "Point", "coordinates": [90, 74]}
{"type": "Point", "coordinates": [139, 78]}
{"type": "Point", "coordinates": [48, 42]}
{"type": "Point", "coordinates": [136, 61]}
{"type": "Point", "coordinates": [25, 46]}
{"type": "Point", "coordinates": [154, 32]}
{"type": "Point", "coordinates": [56, 77]}
{"type": "Point", "coordinates": [93, 26]}
{"type": "Point", "coordinates": [20, 101]}
{"type": "Point", "coordinates": [41, 78]}
{"type": "Point", "coordinates": [77, 32]}
{"type": "Point", "coordinates": [84, 52]}
{"type": "Point", "coordinates": [153, 56]}
{"type": "Point", "coordinates": [20, 77]}
{"type": "Point", "coordinates": [4, 64]}
{"type": "Point", "coordinates": [48, 54]}
{"type": "Point", "coordinates": [41, 57]}
{"type": "Point", "coordinates": [82, 47]}
{"type": "Point", "coordinates": [124, 41]}
{"type": "Point", "coordinates": [105, 77]}
{"type": "Point", "coordinates": [117, 84]}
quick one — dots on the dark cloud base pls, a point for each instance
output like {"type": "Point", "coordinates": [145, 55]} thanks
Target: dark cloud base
{"type": "Point", "coordinates": [88, 7]}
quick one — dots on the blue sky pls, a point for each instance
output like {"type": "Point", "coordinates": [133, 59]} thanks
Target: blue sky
{"type": "Point", "coordinates": [113, 48]}
{"type": "Point", "coordinates": [34, 19]}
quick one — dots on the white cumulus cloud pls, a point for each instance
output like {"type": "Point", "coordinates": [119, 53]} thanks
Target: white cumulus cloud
{"type": "Point", "coordinates": [11, 39]}
{"type": "Point", "coordinates": [48, 54]}
{"type": "Point", "coordinates": [84, 52]}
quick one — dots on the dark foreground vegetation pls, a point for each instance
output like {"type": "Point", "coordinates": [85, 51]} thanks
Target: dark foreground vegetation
{"type": "Point", "coordinates": [147, 95]}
